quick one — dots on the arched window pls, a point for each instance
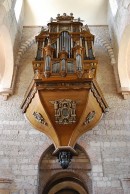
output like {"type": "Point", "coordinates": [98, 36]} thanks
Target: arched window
{"type": "Point", "coordinates": [113, 6]}
{"type": "Point", "coordinates": [17, 9]}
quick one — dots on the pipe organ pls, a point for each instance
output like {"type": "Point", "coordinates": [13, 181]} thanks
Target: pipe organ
{"type": "Point", "coordinates": [65, 34]}
{"type": "Point", "coordinates": [64, 100]}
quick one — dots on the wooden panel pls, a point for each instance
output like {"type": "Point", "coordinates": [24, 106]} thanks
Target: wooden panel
{"type": "Point", "coordinates": [79, 96]}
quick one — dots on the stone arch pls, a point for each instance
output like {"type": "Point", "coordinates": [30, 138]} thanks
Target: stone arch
{"type": "Point", "coordinates": [70, 181]}
{"type": "Point", "coordinates": [6, 56]}
{"type": "Point", "coordinates": [50, 169]}
{"type": "Point", "coordinates": [108, 47]}
{"type": "Point", "coordinates": [23, 48]}
{"type": "Point", "coordinates": [124, 62]}
{"type": "Point", "coordinates": [31, 41]}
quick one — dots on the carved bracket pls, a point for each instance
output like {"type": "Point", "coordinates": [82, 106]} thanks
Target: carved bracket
{"type": "Point", "coordinates": [99, 98]}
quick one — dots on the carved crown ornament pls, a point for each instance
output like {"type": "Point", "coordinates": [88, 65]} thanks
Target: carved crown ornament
{"type": "Point", "coordinates": [64, 100]}
{"type": "Point", "coordinates": [65, 111]}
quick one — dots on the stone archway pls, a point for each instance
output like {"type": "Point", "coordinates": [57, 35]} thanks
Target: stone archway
{"type": "Point", "coordinates": [124, 62]}
{"type": "Point", "coordinates": [52, 178]}
{"type": "Point", "coordinates": [105, 44]}
{"type": "Point", "coordinates": [69, 185]}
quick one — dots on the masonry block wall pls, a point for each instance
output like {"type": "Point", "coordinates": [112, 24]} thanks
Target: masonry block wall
{"type": "Point", "coordinates": [107, 145]}
{"type": "Point", "coordinates": [22, 146]}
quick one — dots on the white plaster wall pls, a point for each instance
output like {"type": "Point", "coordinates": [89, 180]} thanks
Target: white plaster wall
{"type": "Point", "coordinates": [118, 28]}
{"type": "Point", "coordinates": [10, 36]}
{"type": "Point", "coordinates": [119, 21]}
{"type": "Point", "coordinates": [7, 58]}
{"type": "Point", "coordinates": [38, 12]}
{"type": "Point", "coordinates": [124, 60]}
{"type": "Point", "coordinates": [2, 59]}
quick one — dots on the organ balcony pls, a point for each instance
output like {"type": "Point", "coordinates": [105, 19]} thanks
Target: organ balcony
{"type": "Point", "coordinates": [64, 99]}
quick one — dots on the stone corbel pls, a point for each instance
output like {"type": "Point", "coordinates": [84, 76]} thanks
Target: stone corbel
{"type": "Point", "coordinates": [6, 93]}
{"type": "Point", "coordinates": [125, 92]}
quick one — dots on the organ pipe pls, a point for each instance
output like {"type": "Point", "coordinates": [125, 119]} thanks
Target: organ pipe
{"type": "Point", "coordinates": [86, 48]}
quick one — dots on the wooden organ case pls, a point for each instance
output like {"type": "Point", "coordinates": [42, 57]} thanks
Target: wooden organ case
{"type": "Point", "coordinates": [64, 100]}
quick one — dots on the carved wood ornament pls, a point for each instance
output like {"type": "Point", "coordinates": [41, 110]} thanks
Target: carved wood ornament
{"type": "Point", "coordinates": [64, 100]}
{"type": "Point", "coordinates": [65, 111]}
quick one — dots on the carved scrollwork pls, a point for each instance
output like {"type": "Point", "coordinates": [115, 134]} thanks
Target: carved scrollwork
{"type": "Point", "coordinates": [28, 99]}
{"type": "Point", "coordinates": [89, 117]}
{"type": "Point", "coordinates": [98, 97]}
{"type": "Point", "coordinates": [65, 111]}
{"type": "Point", "coordinates": [39, 118]}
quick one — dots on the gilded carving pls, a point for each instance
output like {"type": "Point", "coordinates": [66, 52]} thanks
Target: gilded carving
{"type": "Point", "coordinates": [65, 111]}
{"type": "Point", "coordinates": [28, 99]}
{"type": "Point", "coordinates": [89, 117]}
{"type": "Point", "coordinates": [98, 97]}
{"type": "Point", "coordinates": [39, 118]}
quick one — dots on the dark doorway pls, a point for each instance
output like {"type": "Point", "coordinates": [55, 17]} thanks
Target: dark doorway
{"type": "Point", "coordinates": [67, 191]}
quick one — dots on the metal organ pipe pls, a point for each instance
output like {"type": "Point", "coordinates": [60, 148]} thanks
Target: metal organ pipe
{"type": "Point", "coordinates": [80, 41]}
{"type": "Point", "coordinates": [93, 49]}
{"type": "Point", "coordinates": [57, 49]}
{"type": "Point", "coordinates": [86, 47]}
{"type": "Point", "coordinates": [64, 38]}
{"type": "Point", "coordinates": [57, 46]}
{"type": "Point", "coordinates": [39, 50]}
{"type": "Point", "coordinates": [69, 46]}
{"type": "Point", "coordinates": [62, 41]}
{"type": "Point", "coordinates": [71, 41]}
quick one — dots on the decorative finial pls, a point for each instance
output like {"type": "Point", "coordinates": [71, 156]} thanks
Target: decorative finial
{"type": "Point", "coordinates": [51, 19]}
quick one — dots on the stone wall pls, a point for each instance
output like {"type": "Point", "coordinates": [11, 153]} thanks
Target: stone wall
{"type": "Point", "coordinates": [50, 169]}
{"type": "Point", "coordinates": [107, 145]}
